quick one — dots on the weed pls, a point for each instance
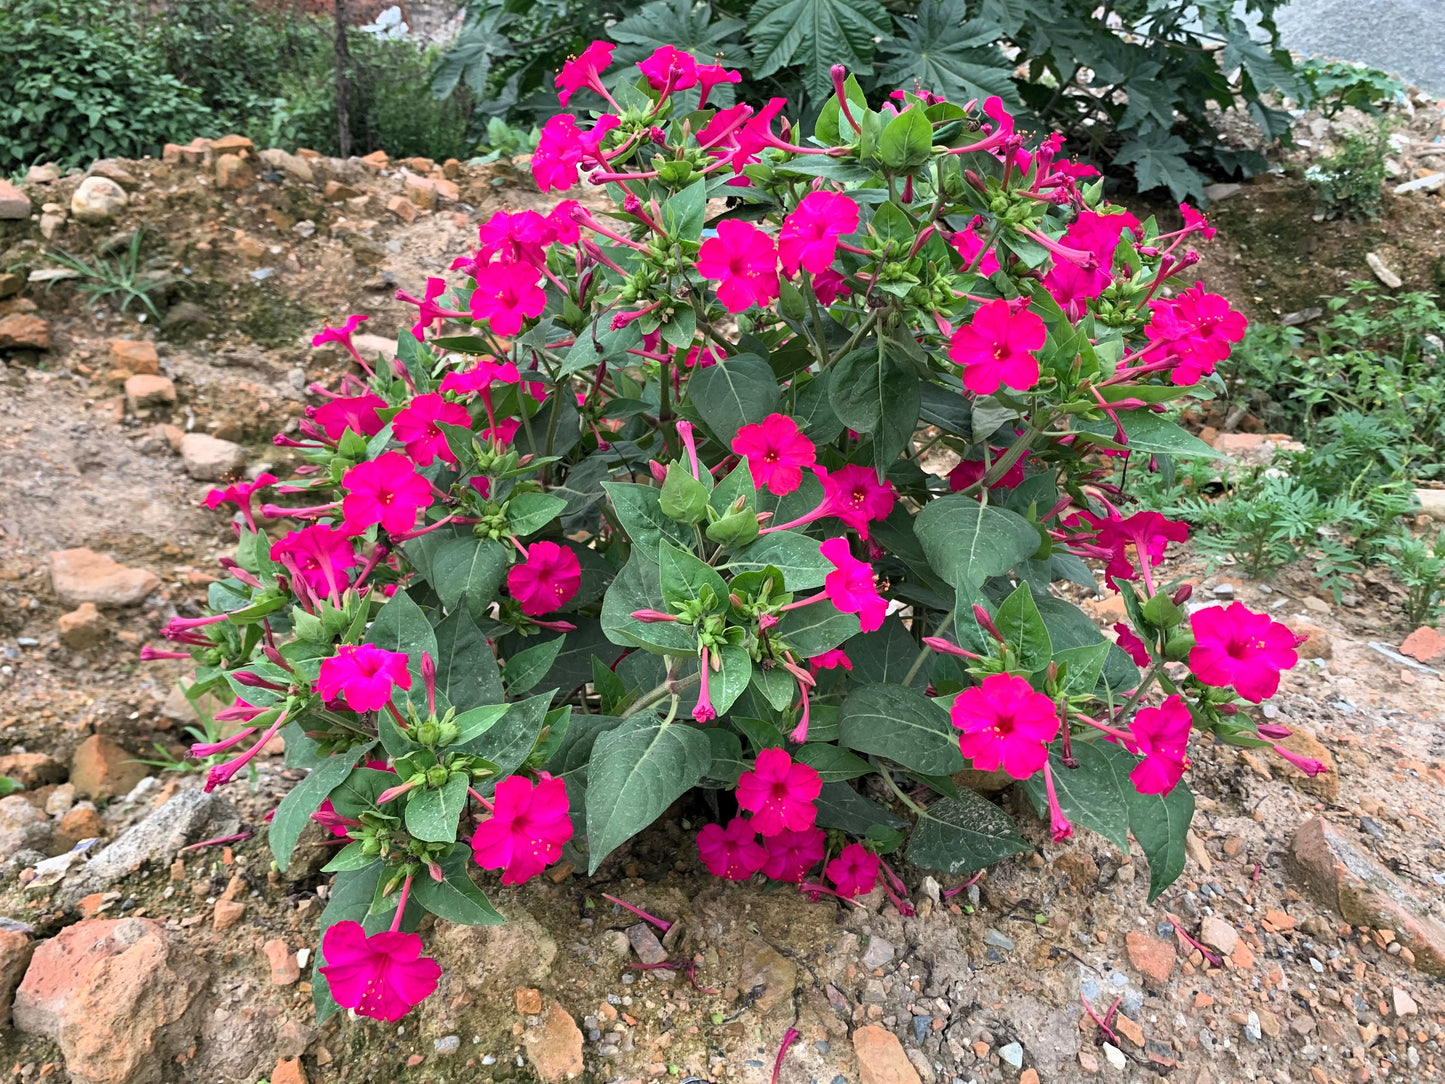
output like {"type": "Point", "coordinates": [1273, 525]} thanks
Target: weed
{"type": "Point", "coordinates": [1419, 566]}
{"type": "Point", "coordinates": [124, 279]}
{"type": "Point", "coordinates": [1349, 183]}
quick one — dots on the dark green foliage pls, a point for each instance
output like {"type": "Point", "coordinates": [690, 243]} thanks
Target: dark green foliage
{"type": "Point", "coordinates": [1350, 182]}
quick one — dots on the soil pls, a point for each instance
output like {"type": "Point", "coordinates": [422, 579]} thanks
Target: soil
{"type": "Point", "coordinates": [983, 986]}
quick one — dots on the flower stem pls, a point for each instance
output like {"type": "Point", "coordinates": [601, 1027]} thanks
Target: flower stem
{"type": "Point", "coordinates": [401, 907]}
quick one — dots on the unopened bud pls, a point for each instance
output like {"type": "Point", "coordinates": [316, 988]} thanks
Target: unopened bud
{"type": "Point", "coordinates": [1185, 592]}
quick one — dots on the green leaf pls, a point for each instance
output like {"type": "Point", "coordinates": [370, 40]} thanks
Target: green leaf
{"type": "Point", "coordinates": [727, 756]}
{"type": "Point", "coordinates": [456, 898]}
{"type": "Point", "coordinates": [508, 743]}
{"type": "Point", "coordinates": [817, 628]}
{"type": "Point", "coordinates": [738, 391]}
{"type": "Point", "coordinates": [305, 798]}
{"type": "Point", "coordinates": [884, 657]}
{"type": "Point", "coordinates": [1152, 434]}
{"type": "Point", "coordinates": [684, 212]}
{"type": "Point", "coordinates": [350, 857]}
{"type": "Point", "coordinates": [831, 763]}
{"type": "Point", "coordinates": [841, 807]}
{"type": "Point", "coordinates": [727, 685]}
{"type": "Point", "coordinates": [1158, 161]}
{"type": "Point", "coordinates": [1093, 795]}
{"type": "Point", "coordinates": [1018, 621]}
{"type": "Point", "coordinates": [906, 142]}
{"type": "Point", "coordinates": [968, 543]}
{"type": "Point", "coordinates": [432, 814]}
{"type": "Point", "coordinates": [902, 725]}
{"type": "Point", "coordinates": [639, 511]}
{"type": "Point", "coordinates": [528, 513]}
{"type": "Point", "coordinates": [638, 769]}
{"type": "Point", "coordinates": [1159, 823]}
{"type": "Point", "coordinates": [686, 579]}
{"type": "Point", "coordinates": [583, 486]}
{"type": "Point", "coordinates": [1070, 627]}
{"type": "Point", "coordinates": [792, 553]}
{"type": "Point", "coordinates": [639, 587]}
{"type": "Point", "coordinates": [1083, 666]}
{"type": "Point", "coordinates": [814, 35]}
{"type": "Point", "coordinates": [526, 668]}
{"type": "Point", "coordinates": [468, 568]}
{"type": "Point", "coordinates": [687, 27]}
{"type": "Point", "coordinates": [466, 668]}
{"type": "Point", "coordinates": [683, 498]}
{"type": "Point", "coordinates": [760, 733]}
{"type": "Point", "coordinates": [963, 834]}
{"type": "Point", "coordinates": [400, 625]}
{"type": "Point", "coordinates": [947, 55]}
{"type": "Point", "coordinates": [476, 722]}
{"type": "Point", "coordinates": [776, 685]}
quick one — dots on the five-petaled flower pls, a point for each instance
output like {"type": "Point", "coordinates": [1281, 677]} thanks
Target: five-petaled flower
{"type": "Point", "coordinates": [383, 976]}
{"type": "Point", "coordinates": [733, 852]}
{"type": "Point", "coordinates": [1196, 328]}
{"type": "Point", "coordinates": [363, 676]}
{"type": "Point", "coordinates": [320, 555]}
{"type": "Point", "coordinates": [584, 70]}
{"type": "Point", "coordinates": [855, 871]}
{"type": "Point", "coordinates": [855, 495]}
{"type": "Point", "coordinates": [357, 413]}
{"type": "Point", "coordinates": [546, 580]}
{"type": "Point", "coordinates": [809, 237]}
{"type": "Point", "coordinates": [997, 347]}
{"type": "Point", "coordinates": [506, 295]}
{"type": "Point", "coordinates": [850, 585]}
{"type": "Point", "coordinates": [1235, 646]}
{"type": "Point", "coordinates": [385, 490]}
{"type": "Point", "coordinates": [1162, 735]}
{"type": "Point", "coordinates": [1005, 724]}
{"type": "Point", "coordinates": [779, 793]}
{"type": "Point", "coordinates": [240, 494]}
{"type": "Point", "coordinates": [776, 452]}
{"type": "Point", "coordinates": [419, 427]}
{"type": "Point", "coordinates": [790, 854]}
{"type": "Point", "coordinates": [525, 833]}
{"type": "Point", "coordinates": [743, 261]}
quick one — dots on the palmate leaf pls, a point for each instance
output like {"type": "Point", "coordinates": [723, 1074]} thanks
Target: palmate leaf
{"type": "Point", "coordinates": [945, 54]}
{"type": "Point", "coordinates": [1158, 161]}
{"type": "Point", "coordinates": [815, 35]}
{"type": "Point", "coordinates": [686, 26]}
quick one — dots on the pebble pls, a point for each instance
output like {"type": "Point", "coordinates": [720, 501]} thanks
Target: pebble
{"type": "Point", "coordinates": [998, 940]}
{"type": "Point", "coordinates": [1013, 1053]}
{"type": "Point", "coordinates": [447, 1044]}
{"type": "Point", "coordinates": [880, 951]}
{"type": "Point", "coordinates": [1115, 1057]}
{"type": "Point", "coordinates": [1224, 591]}
{"type": "Point", "coordinates": [1252, 1030]}
{"type": "Point", "coordinates": [920, 1027]}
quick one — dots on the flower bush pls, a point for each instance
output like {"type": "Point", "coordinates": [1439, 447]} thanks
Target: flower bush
{"type": "Point", "coordinates": [660, 516]}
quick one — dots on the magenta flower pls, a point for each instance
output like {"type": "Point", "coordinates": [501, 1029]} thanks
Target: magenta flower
{"type": "Point", "coordinates": [837, 659]}
{"type": "Point", "coordinates": [776, 452]}
{"type": "Point", "coordinates": [1133, 646]}
{"type": "Point", "coordinates": [519, 237]}
{"type": "Point", "coordinates": [320, 555]}
{"type": "Point", "coordinates": [809, 237]}
{"type": "Point", "coordinates": [792, 854]}
{"type": "Point", "coordinates": [506, 295]}
{"type": "Point", "coordinates": [562, 148]}
{"type": "Point", "coordinates": [778, 793]}
{"type": "Point", "coordinates": [1005, 724]}
{"type": "Point", "coordinates": [546, 580]}
{"type": "Point", "coordinates": [669, 67]}
{"type": "Point", "coordinates": [997, 347]}
{"type": "Point", "coordinates": [385, 490]}
{"type": "Point", "coordinates": [856, 496]}
{"type": "Point", "coordinates": [525, 833]}
{"type": "Point", "coordinates": [584, 70]}
{"type": "Point", "coordinates": [743, 261]}
{"type": "Point", "coordinates": [1199, 329]}
{"type": "Point", "coordinates": [969, 471]}
{"type": "Point", "coordinates": [1193, 220]}
{"type": "Point", "coordinates": [480, 377]}
{"type": "Point", "coordinates": [340, 334]}
{"type": "Point", "coordinates": [240, 493]}
{"type": "Point", "coordinates": [1162, 735]}
{"type": "Point", "coordinates": [419, 427]}
{"type": "Point", "coordinates": [1142, 535]}
{"type": "Point", "coordinates": [969, 244]}
{"type": "Point", "coordinates": [382, 976]}
{"type": "Point", "coordinates": [1059, 827]}
{"type": "Point", "coordinates": [828, 285]}
{"type": "Point", "coordinates": [854, 871]}
{"type": "Point", "coordinates": [363, 675]}
{"type": "Point", "coordinates": [1236, 646]}
{"type": "Point", "coordinates": [357, 413]}
{"type": "Point", "coordinates": [850, 586]}
{"type": "Point", "coordinates": [428, 311]}
{"type": "Point", "coordinates": [705, 357]}
{"type": "Point", "coordinates": [710, 75]}
{"type": "Point", "coordinates": [1309, 765]}
{"type": "Point", "coordinates": [734, 852]}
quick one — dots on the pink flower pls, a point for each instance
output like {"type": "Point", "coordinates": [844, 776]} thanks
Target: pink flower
{"type": "Point", "coordinates": [837, 659]}
{"type": "Point", "coordinates": [1162, 735]}
{"type": "Point", "coordinates": [856, 496]}
{"type": "Point", "coordinates": [562, 148]}
{"type": "Point", "coordinates": [320, 555]}
{"type": "Point", "coordinates": [792, 854]}
{"type": "Point", "coordinates": [515, 238]}
{"type": "Point", "coordinates": [1199, 329]}
{"type": "Point", "coordinates": [503, 431]}
{"type": "Point", "coordinates": [1144, 534]}
{"type": "Point", "coordinates": [778, 793]}
{"type": "Point", "coordinates": [659, 69]}
{"type": "Point", "coordinates": [419, 428]}
{"type": "Point", "coordinates": [1006, 724]}
{"type": "Point", "coordinates": [546, 580]}
{"type": "Point", "coordinates": [240, 493]}
{"type": "Point", "coordinates": [851, 587]}
{"type": "Point", "coordinates": [480, 377]}
{"type": "Point", "coordinates": [363, 675]}
{"type": "Point", "coordinates": [809, 237]}
{"type": "Point", "coordinates": [745, 263]}
{"type": "Point", "coordinates": [1236, 646]}
{"type": "Point", "coordinates": [969, 471]}
{"type": "Point", "coordinates": [357, 413]}
{"type": "Point", "coordinates": [1059, 827]}
{"type": "Point", "coordinates": [776, 452]}
{"type": "Point", "coordinates": [710, 75]}
{"type": "Point", "coordinates": [969, 244]}
{"type": "Point", "coordinates": [1133, 646]}
{"type": "Point", "coordinates": [1073, 286]}
{"type": "Point", "coordinates": [340, 334]}
{"type": "Point", "coordinates": [1309, 765]}
{"type": "Point", "coordinates": [1193, 220]}
{"type": "Point", "coordinates": [525, 833]}
{"type": "Point", "coordinates": [382, 976]}
{"type": "Point", "coordinates": [584, 70]}
{"type": "Point", "coordinates": [997, 347]}
{"type": "Point", "coordinates": [854, 871]}
{"type": "Point", "coordinates": [506, 295]}
{"type": "Point", "coordinates": [828, 285]}
{"type": "Point", "coordinates": [428, 311]}
{"type": "Point", "coordinates": [732, 852]}
{"type": "Point", "coordinates": [705, 357]}
{"type": "Point", "coordinates": [385, 490]}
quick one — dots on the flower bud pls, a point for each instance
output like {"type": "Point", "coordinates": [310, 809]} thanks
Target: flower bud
{"type": "Point", "coordinates": [684, 498]}
{"type": "Point", "coordinates": [437, 776]}
{"type": "Point", "coordinates": [1185, 592]}
{"type": "Point", "coordinates": [734, 529]}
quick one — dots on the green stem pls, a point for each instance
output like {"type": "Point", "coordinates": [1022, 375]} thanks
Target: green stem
{"type": "Point", "coordinates": [924, 653]}
{"type": "Point", "coordinates": [857, 337]}
{"type": "Point", "coordinates": [1144, 684]}
{"type": "Point", "coordinates": [652, 696]}
{"type": "Point", "coordinates": [909, 802]}
{"type": "Point", "coordinates": [1003, 463]}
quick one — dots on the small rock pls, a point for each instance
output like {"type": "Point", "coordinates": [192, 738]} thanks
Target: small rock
{"type": "Point", "coordinates": [289, 1071]}
{"type": "Point", "coordinates": [1383, 273]}
{"type": "Point", "coordinates": [14, 204]}
{"type": "Point", "coordinates": [82, 821]}
{"type": "Point", "coordinates": [10, 285]}
{"type": "Point", "coordinates": [554, 1047]}
{"type": "Point", "coordinates": [1432, 502]}
{"type": "Point", "coordinates": [1318, 644]}
{"type": "Point", "coordinates": [232, 144]}
{"type": "Point", "coordinates": [82, 575]}
{"type": "Point", "coordinates": [1252, 1029]}
{"type": "Point", "coordinates": [1218, 934]}
{"type": "Point", "coordinates": [1216, 193]}
{"type": "Point", "coordinates": [97, 200]}
{"type": "Point", "coordinates": [112, 170]}
{"type": "Point", "coordinates": [21, 331]}
{"type": "Point", "coordinates": [645, 943]}
{"type": "Point", "coordinates": [186, 319]}
{"type": "Point", "coordinates": [32, 770]}
{"type": "Point", "coordinates": [209, 459]}
{"type": "Point", "coordinates": [879, 952]}
{"type": "Point", "coordinates": [232, 171]}
{"type": "Point", "coordinates": [403, 208]}
{"type": "Point", "coordinates": [1151, 956]}
{"type": "Point", "coordinates": [284, 969]}
{"type": "Point", "coordinates": [528, 1000]}
{"type": "Point", "coordinates": [447, 1044]}
{"type": "Point", "coordinates": [62, 797]}
{"type": "Point", "coordinates": [1130, 1029]}
{"type": "Point", "coordinates": [1404, 1003]}
{"type": "Point", "coordinates": [137, 355]}
{"type": "Point", "coordinates": [46, 174]}
{"type": "Point", "coordinates": [102, 768]}
{"type": "Point", "coordinates": [16, 948]}
{"type": "Point", "coordinates": [1432, 182]}
{"type": "Point", "coordinates": [1088, 1061]}
{"type": "Point", "coordinates": [1425, 645]}
{"type": "Point", "coordinates": [768, 974]}
{"type": "Point", "coordinates": [1115, 1057]}
{"type": "Point", "coordinates": [881, 1059]}
{"type": "Point", "coordinates": [1224, 591]}
{"type": "Point", "coordinates": [1302, 743]}
{"type": "Point", "coordinates": [997, 940]}
{"type": "Point", "coordinates": [279, 160]}
{"type": "Point", "coordinates": [1013, 1054]}
{"type": "Point", "coordinates": [227, 914]}
{"type": "Point", "coordinates": [83, 627]}
{"type": "Point", "coordinates": [336, 192]}
{"type": "Point", "coordinates": [144, 390]}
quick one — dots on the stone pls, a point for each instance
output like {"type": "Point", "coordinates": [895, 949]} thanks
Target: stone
{"type": "Point", "coordinates": [1301, 742]}
{"type": "Point", "coordinates": [1218, 934]}
{"type": "Point", "coordinates": [554, 1046]}
{"type": "Point", "coordinates": [51, 224]}
{"type": "Point", "coordinates": [289, 1070]}
{"type": "Point", "coordinates": [137, 355]}
{"type": "Point", "coordinates": [335, 192]}
{"type": "Point", "coordinates": [485, 959]}
{"type": "Point", "coordinates": [645, 943]}
{"type": "Point", "coordinates": [1029, 1076]}
{"type": "Point", "coordinates": [1404, 1004]}
{"type": "Point", "coordinates": [1318, 644]}
{"type": "Point", "coordinates": [97, 201]}
{"type": "Point", "coordinates": [14, 204]}
{"type": "Point", "coordinates": [188, 817]}
{"type": "Point", "coordinates": [1130, 1029]}
{"type": "Point", "coordinates": [422, 191]}
{"type": "Point", "coordinates": [1432, 502]}
{"type": "Point", "coordinates": [231, 144]}
{"type": "Point", "coordinates": [1152, 957]}
{"type": "Point", "coordinates": [1251, 449]}
{"type": "Point", "coordinates": [1365, 893]}
{"type": "Point", "coordinates": [1013, 1054]}
{"type": "Point", "coordinates": [1431, 182]}
{"type": "Point", "coordinates": [279, 160]}
{"type": "Point", "coordinates": [232, 171]}
{"type": "Point", "coordinates": [32, 770]}
{"type": "Point", "coordinates": [293, 1039]}
{"type": "Point", "coordinates": [284, 968]}
{"type": "Point", "coordinates": [46, 174]}
{"type": "Point", "coordinates": [403, 208]}
{"type": "Point", "coordinates": [1382, 272]}
{"type": "Point", "coordinates": [210, 459]}
{"type": "Point", "coordinates": [112, 170]}
{"type": "Point", "coordinates": [22, 826]}
{"type": "Point", "coordinates": [880, 1057]}
{"type": "Point", "coordinates": [528, 1000]}
{"type": "Point", "coordinates": [10, 284]}
{"type": "Point", "coordinates": [768, 976]}
{"type": "Point", "coordinates": [80, 822]}
{"type": "Point", "coordinates": [185, 320]}
{"type": "Point", "coordinates": [118, 996]}
{"type": "Point", "coordinates": [21, 331]}
{"type": "Point", "coordinates": [16, 948]}
{"type": "Point", "coordinates": [1115, 1057]}
{"type": "Point", "coordinates": [83, 627]}
{"type": "Point", "coordinates": [143, 390]}
{"type": "Point", "coordinates": [102, 768]}
{"type": "Point", "coordinates": [1425, 645]}
{"type": "Point", "coordinates": [82, 575]}
{"type": "Point", "coordinates": [878, 953]}
{"type": "Point", "coordinates": [227, 914]}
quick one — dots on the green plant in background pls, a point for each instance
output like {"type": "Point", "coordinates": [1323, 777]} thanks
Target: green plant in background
{"type": "Point", "coordinates": [1350, 182]}
{"type": "Point", "coordinates": [504, 141]}
{"type": "Point", "coordinates": [1419, 566]}
{"type": "Point", "coordinates": [122, 281]}
{"type": "Point", "coordinates": [1336, 85]}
